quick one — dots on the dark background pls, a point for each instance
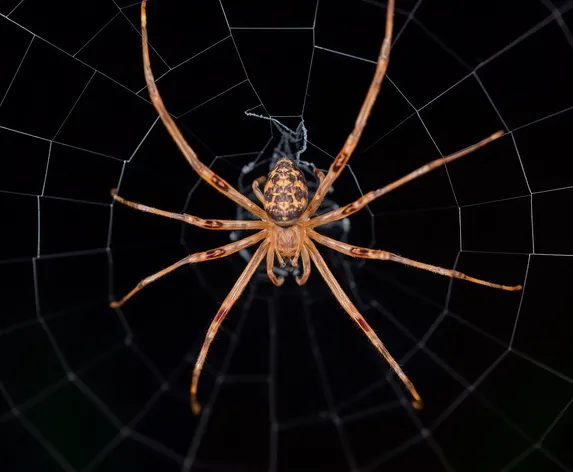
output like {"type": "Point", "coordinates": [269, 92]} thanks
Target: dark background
{"type": "Point", "coordinates": [291, 383]}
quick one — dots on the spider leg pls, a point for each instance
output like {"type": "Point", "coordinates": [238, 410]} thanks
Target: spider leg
{"type": "Point", "coordinates": [278, 281]}
{"type": "Point", "coordinates": [274, 246]}
{"type": "Point", "coordinates": [229, 301]}
{"type": "Point", "coordinates": [319, 174]}
{"type": "Point", "coordinates": [357, 205]}
{"type": "Point", "coordinates": [365, 253]}
{"type": "Point", "coordinates": [352, 141]}
{"type": "Point", "coordinates": [258, 192]}
{"type": "Point", "coordinates": [204, 172]}
{"type": "Point", "coordinates": [301, 280]}
{"type": "Point", "coordinates": [359, 320]}
{"type": "Point", "coordinates": [216, 253]}
{"type": "Point", "coordinates": [190, 219]}
{"type": "Point", "coordinates": [299, 246]}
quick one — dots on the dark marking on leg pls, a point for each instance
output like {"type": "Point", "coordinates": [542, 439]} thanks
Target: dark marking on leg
{"type": "Point", "coordinates": [214, 253]}
{"type": "Point", "coordinates": [347, 209]}
{"type": "Point", "coordinates": [339, 161]}
{"type": "Point", "coordinates": [362, 323]}
{"type": "Point", "coordinates": [213, 224]}
{"type": "Point", "coordinates": [219, 183]}
{"type": "Point", "coordinates": [219, 316]}
{"type": "Point", "coordinates": [359, 251]}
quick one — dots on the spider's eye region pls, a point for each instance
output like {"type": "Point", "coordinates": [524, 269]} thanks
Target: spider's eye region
{"type": "Point", "coordinates": [286, 193]}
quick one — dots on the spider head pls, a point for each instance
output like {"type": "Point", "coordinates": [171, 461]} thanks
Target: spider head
{"type": "Point", "coordinates": [286, 193]}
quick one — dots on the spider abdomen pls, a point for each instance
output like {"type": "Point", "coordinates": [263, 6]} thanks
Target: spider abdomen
{"type": "Point", "coordinates": [286, 193]}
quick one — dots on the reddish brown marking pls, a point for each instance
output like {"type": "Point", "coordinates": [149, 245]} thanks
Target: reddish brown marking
{"type": "Point", "coordinates": [213, 224]}
{"type": "Point", "coordinates": [359, 251]}
{"type": "Point", "coordinates": [219, 316]}
{"type": "Point", "coordinates": [347, 209]}
{"type": "Point", "coordinates": [219, 183]}
{"type": "Point", "coordinates": [362, 323]}
{"type": "Point", "coordinates": [214, 253]}
{"type": "Point", "coordinates": [339, 161]}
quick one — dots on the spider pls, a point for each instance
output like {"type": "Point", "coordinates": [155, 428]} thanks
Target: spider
{"type": "Point", "coordinates": [286, 226]}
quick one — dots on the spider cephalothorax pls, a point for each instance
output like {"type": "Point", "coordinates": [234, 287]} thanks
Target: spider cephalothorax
{"type": "Point", "coordinates": [286, 225]}
{"type": "Point", "coordinates": [286, 193]}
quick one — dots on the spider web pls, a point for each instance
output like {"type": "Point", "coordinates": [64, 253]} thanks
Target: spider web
{"type": "Point", "coordinates": [290, 383]}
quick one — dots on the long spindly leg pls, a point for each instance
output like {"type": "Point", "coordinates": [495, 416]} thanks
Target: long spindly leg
{"type": "Point", "coordinates": [359, 320]}
{"type": "Point", "coordinates": [352, 140]}
{"type": "Point", "coordinates": [357, 205]}
{"type": "Point", "coordinates": [190, 219]}
{"type": "Point", "coordinates": [216, 253]}
{"type": "Point", "coordinates": [365, 253]}
{"type": "Point", "coordinates": [301, 280]}
{"type": "Point", "coordinates": [204, 172]}
{"type": "Point", "coordinates": [229, 301]}
{"type": "Point", "coordinates": [278, 281]}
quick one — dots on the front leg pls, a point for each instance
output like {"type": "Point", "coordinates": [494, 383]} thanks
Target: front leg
{"type": "Point", "coordinates": [352, 141]}
{"type": "Point", "coordinates": [202, 170]}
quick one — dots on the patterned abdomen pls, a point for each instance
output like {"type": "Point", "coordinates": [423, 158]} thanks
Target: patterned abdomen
{"type": "Point", "coordinates": [286, 193]}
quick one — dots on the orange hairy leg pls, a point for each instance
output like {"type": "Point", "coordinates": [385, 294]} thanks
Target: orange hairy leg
{"type": "Point", "coordinates": [365, 253]}
{"type": "Point", "coordinates": [209, 255]}
{"type": "Point", "coordinates": [229, 301]}
{"type": "Point", "coordinates": [352, 141]}
{"type": "Point", "coordinates": [357, 205]}
{"type": "Point", "coordinates": [192, 220]}
{"type": "Point", "coordinates": [349, 307]}
{"type": "Point", "coordinates": [204, 172]}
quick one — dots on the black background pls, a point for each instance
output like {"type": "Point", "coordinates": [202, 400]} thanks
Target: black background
{"type": "Point", "coordinates": [291, 383]}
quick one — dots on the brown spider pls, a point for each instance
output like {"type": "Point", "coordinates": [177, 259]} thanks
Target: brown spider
{"type": "Point", "coordinates": [286, 228]}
